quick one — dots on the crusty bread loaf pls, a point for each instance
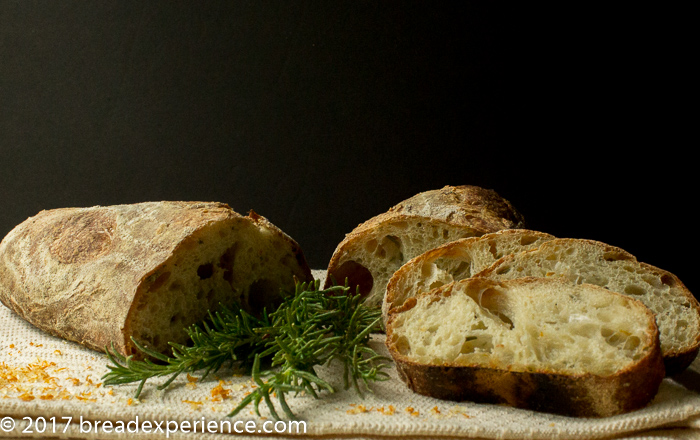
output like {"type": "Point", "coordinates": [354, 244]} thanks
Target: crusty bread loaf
{"type": "Point", "coordinates": [588, 261]}
{"type": "Point", "coordinates": [375, 249]}
{"type": "Point", "coordinates": [535, 343]}
{"type": "Point", "coordinates": [101, 275]}
{"type": "Point", "coordinates": [455, 261]}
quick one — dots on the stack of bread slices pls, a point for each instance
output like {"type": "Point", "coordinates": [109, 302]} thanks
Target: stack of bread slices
{"type": "Point", "coordinates": [478, 308]}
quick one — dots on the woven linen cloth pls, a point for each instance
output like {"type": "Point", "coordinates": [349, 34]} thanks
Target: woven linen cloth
{"type": "Point", "coordinates": [51, 388]}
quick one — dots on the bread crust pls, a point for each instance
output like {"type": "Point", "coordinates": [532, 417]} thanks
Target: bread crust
{"type": "Point", "coordinates": [675, 360]}
{"type": "Point", "coordinates": [575, 395]}
{"type": "Point", "coordinates": [474, 209]}
{"type": "Point", "coordinates": [76, 272]}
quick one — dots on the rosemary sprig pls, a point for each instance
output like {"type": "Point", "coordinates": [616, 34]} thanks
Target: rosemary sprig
{"type": "Point", "coordinates": [310, 328]}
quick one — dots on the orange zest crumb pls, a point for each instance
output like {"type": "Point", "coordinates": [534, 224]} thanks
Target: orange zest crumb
{"type": "Point", "coordinates": [195, 404]}
{"type": "Point", "coordinates": [387, 412]}
{"type": "Point", "coordinates": [26, 396]}
{"type": "Point", "coordinates": [219, 393]}
{"type": "Point", "coordinates": [357, 409]}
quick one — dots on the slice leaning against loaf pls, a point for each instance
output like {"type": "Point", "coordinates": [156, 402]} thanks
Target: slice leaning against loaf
{"type": "Point", "coordinates": [455, 261]}
{"type": "Point", "coordinates": [533, 343]}
{"type": "Point", "coordinates": [588, 261]}
{"type": "Point", "coordinates": [103, 274]}
{"type": "Point", "coordinates": [374, 250]}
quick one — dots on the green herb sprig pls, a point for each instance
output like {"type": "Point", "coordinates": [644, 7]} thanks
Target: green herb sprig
{"type": "Point", "coordinates": [310, 328]}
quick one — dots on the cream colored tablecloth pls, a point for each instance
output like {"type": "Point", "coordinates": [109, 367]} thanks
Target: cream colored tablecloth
{"type": "Point", "coordinates": [45, 380]}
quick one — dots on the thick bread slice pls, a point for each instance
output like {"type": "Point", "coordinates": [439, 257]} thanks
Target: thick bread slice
{"type": "Point", "coordinates": [534, 343]}
{"type": "Point", "coordinates": [375, 249]}
{"type": "Point", "coordinates": [587, 261]}
{"type": "Point", "coordinates": [101, 275]}
{"type": "Point", "coordinates": [455, 261]}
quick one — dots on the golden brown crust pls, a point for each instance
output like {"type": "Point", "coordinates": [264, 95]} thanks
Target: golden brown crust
{"type": "Point", "coordinates": [576, 396]}
{"type": "Point", "coordinates": [74, 272]}
{"type": "Point", "coordinates": [468, 205]}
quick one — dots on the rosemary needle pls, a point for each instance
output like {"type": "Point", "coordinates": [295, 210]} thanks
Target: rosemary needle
{"type": "Point", "coordinates": [310, 328]}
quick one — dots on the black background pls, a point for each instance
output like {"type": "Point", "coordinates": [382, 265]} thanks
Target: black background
{"type": "Point", "coordinates": [320, 115]}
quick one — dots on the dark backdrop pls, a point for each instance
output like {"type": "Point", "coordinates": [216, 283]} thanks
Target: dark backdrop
{"type": "Point", "coordinates": [319, 115]}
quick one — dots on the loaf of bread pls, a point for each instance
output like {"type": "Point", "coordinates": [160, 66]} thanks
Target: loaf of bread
{"type": "Point", "coordinates": [101, 275]}
{"type": "Point", "coordinates": [455, 261]}
{"type": "Point", "coordinates": [369, 255]}
{"type": "Point", "coordinates": [587, 261]}
{"type": "Point", "coordinates": [541, 344]}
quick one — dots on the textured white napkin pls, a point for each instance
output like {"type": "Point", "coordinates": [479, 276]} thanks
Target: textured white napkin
{"type": "Point", "coordinates": [44, 380]}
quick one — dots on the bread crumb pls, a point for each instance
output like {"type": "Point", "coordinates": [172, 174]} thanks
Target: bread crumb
{"type": "Point", "coordinates": [219, 393]}
{"type": "Point", "coordinates": [412, 411]}
{"type": "Point", "coordinates": [26, 396]}
{"type": "Point", "coordinates": [435, 410]}
{"type": "Point", "coordinates": [195, 404]}
{"type": "Point", "coordinates": [357, 409]}
{"type": "Point", "coordinates": [387, 412]}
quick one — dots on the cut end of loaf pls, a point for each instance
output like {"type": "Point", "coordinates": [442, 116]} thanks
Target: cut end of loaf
{"type": "Point", "coordinates": [367, 260]}
{"type": "Point", "coordinates": [586, 261]}
{"type": "Point", "coordinates": [229, 263]}
{"type": "Point", "coordinates": [527, 341]}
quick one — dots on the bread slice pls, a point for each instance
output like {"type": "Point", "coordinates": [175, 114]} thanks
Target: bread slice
{"type": "Point", "coordinates": [374, 250]}
{"type": "Point", "coordinates": [588, 261]}
{"type": "Point", "coordinates": [455, 261]}
{"type": "Point", "coordinates": [534, 343]}
{"type": "Point", "coordinates": [104, 274]}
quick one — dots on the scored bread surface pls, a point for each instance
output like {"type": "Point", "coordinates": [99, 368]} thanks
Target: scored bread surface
{"type": "Point", "coordinates": [454, 261]}
{"type": "Point", "coordinates": [369, 255]}
{"type": "Point", "coordinates": [588, 261]}
{"type": "Point", "coordinates": [101, 275]}
{"type": "Point", "coordinates": [535, 343]}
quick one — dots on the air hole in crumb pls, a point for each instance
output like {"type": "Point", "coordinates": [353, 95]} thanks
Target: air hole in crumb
{"type": "Point", "coordinates": [527, 240]}
{"type": "Point", "coordinates": [462, 271]}
{"type": "Point", "coordinates": [205, 271]}
{"type": "Point", "coordinates": [615, 256]}
{"type": "Point", "coordinates": [402, 345]}
{"type": "Point", "coordinates": [357, 276]}
{"type": "Point", "coordinates": [503, 270]}
{"type": "Point", "coordinates": [494, 301]}
{"type": "Point", "coordinates": [371, 245]}
{"type": "Point", "coordinates": [226, 262]}
{"type": "Point", "coordinates": [493, 249]}
{"type": "Point", "coordinates": [668, 280]}
{"type": "Point", "coordinates": [176, 317]}
{"type": "Point", "coordinates": [263, 294]}
{"type": "Point", "coordinates": [631, 289]}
